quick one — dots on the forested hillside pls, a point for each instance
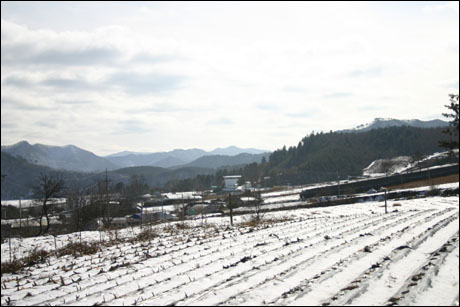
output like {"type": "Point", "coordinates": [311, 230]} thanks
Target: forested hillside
{"type": "Point", "coordinates": [327, 156]}
{"type": "Point", "coordinates": [21, 176]}
{"type": "Point", "coordinates": [221, 161]}
{"type": "Point", "coordinates": [157, 177]}
{"type": "Point", "coordinates": [323, 156]}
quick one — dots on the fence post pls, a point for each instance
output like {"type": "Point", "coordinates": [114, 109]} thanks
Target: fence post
{"type": "Point", "coordinates": [9, 242]}
{"type": "Point", "coordinates": [385, 190]}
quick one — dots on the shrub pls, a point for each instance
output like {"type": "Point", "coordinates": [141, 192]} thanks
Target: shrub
{"type": "Point", "coordinates": [37, 256]}
{"type": "Point", "coordinates": [147, 234]}
{"type": "Point", "coordinates": [12, 267]}
{"type": "Point", "coordinates": [79, 249]}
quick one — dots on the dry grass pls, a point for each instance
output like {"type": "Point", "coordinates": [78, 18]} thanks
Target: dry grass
{"type": "Point", "coordinates": [146, 235]}
{"type": "Point", "coordinates": [79, 249]}
{"type": "Point", "coordinates": [254, 221]}
{"type": "Point", "coordinates": [12, 267]}
{"type": "Point", "coordinates": [37, 256]}
{"type": "Point", "coordinates": [427, 182]}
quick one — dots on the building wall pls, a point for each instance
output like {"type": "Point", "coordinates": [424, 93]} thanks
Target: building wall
{"type": "Point", "coordinates": [231, 183]}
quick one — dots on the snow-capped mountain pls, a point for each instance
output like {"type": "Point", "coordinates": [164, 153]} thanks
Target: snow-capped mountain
{"type": "Point", "coordinates": [391, 122]}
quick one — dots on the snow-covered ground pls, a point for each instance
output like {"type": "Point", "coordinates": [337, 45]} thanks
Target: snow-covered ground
{"type": "Point", "coordinates": [26, 203]}
{"type": "Point", "coordinates": [402, 164]}
{"type": "Point", "coordinates": [342, 255]}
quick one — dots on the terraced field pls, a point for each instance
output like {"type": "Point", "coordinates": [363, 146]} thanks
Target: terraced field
{"type": "Point", "coordinates": [344, 255]}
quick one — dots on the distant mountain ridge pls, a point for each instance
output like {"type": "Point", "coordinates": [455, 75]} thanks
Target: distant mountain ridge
{"type": "Point", "coordinates": [182, 157]}
{"type": "Point", "coordinates": [72, 158]}
{"type": "Point", "coordinates": [68, 157]}
{"type": "Point", "coordinates": [379, 122]}
{"type": "Point", "coordinates": [21, 176]}
{"type": "Point", "coordinates": [218, 161]}
{"type": "Point", "coordinates": [233, 151]}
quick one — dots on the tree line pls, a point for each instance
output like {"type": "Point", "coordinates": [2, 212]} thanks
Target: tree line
{"type": "Point", "coordinates": [320, 157]}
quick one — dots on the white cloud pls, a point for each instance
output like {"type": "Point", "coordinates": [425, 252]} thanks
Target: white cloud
{"type": "Point", "coordinates": [449, 5]}
{"type": "Point", "coordinates": [268, 73]}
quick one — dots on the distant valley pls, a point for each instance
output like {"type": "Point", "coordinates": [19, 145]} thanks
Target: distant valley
{"type": "Point", "coordinates": [22, 163]}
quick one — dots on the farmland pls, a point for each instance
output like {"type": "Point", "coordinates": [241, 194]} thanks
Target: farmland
{"type": "Point", "coordinates": [344, 255]}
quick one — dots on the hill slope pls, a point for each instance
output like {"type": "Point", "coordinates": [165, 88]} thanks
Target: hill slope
{"type": "Point", "coordinates": [68, 157]}
{"type": "Point", "coordinates": [391, 122]}
{"type": "Point", "coordinates": [218, 161]}
{"type": "Point", "coordinates": [184, 157]}
{"type": "Point", "coordinates": [326, 156]}
{"type": "Point", "coordinates": [21, 176]}
{"type": "Point", "coordinates": [158, 177]}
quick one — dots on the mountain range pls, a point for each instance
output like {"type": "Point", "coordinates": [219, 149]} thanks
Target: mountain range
{"type": "Point", "coordinates": [316, 158]}
{"type": "Point", "coordinates": [68, 157]}
{"type": "Point", "coordinates": [73, 158]}
{"type": "Point", "coordinates": [181, 157]}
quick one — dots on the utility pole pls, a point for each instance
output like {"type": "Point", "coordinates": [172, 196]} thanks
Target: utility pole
{"type": "Point", "coordinates": [4, 178]}
{"type": "Point", "coordinates": [20, 215]}
{"type": "Point", "coordinates": [230, 207]}
{"type": "Point", "coordinates": [338, 182]}
{"type": "Point", "coordinates": [183, 208]}
{"type": "Point", "coordinates": [385, 190]}
{"type": "Point", "coordinates": [142, 212]}
{"type": "Point", "coordinates": [107, 196]}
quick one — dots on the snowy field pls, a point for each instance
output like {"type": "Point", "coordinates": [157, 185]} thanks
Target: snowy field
{"type": "Point", "coordinates": [343, 255]}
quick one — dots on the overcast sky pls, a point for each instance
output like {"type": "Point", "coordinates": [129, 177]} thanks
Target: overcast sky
{"type": "Point", "coordinates": [154, 76]}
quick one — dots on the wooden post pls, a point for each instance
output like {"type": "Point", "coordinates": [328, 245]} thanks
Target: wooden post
{"type": "Point", "coordinates": [9, 241]}
{"type": "Point", "coordinates": [20, 215]}
{"type": "Point", "coordinates": [386, 210]}
{"type": "Point", "coordinates": [230, 207]}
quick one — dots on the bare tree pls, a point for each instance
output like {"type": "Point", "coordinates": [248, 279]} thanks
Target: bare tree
{"type": "Point", "coordinates": [48, 187]}
{"type": "Point", "coordinates": [136, 187]}
{"type": "Point", "coordinates": [231, 204]}
{"type": "Point", "coordinates": [103, 199]}
{"type": "Point", "coordinates": [78, 200]}
{"type": "Point", "coordinates": [258, 201]}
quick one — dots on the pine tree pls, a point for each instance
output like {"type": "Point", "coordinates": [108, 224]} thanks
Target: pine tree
{"type": "Point", "coordinates": [453, 128]}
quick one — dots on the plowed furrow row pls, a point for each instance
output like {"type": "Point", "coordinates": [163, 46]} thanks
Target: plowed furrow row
{"type": "Point", "coordinates": [429, 282]}
{"type": "Point", "coordinates": [215, 266]}
{"type": "Point", "coordinates": [147, 276]}
{"type": "Point", "coordinates": [298, 278]}
{"type": "Point", "coordinates": [262, 268]}
{"type": "Point", "coordinates": [392, 275]}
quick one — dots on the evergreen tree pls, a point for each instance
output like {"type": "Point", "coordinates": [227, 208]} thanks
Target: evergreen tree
{"type": "Point", "coordinates": [453, 129]}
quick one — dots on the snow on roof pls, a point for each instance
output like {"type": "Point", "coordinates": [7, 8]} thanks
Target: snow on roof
{"type": "Point", "coordinates": [182, 195]}
{"type": "Point", "coordinates": [30, 202]}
